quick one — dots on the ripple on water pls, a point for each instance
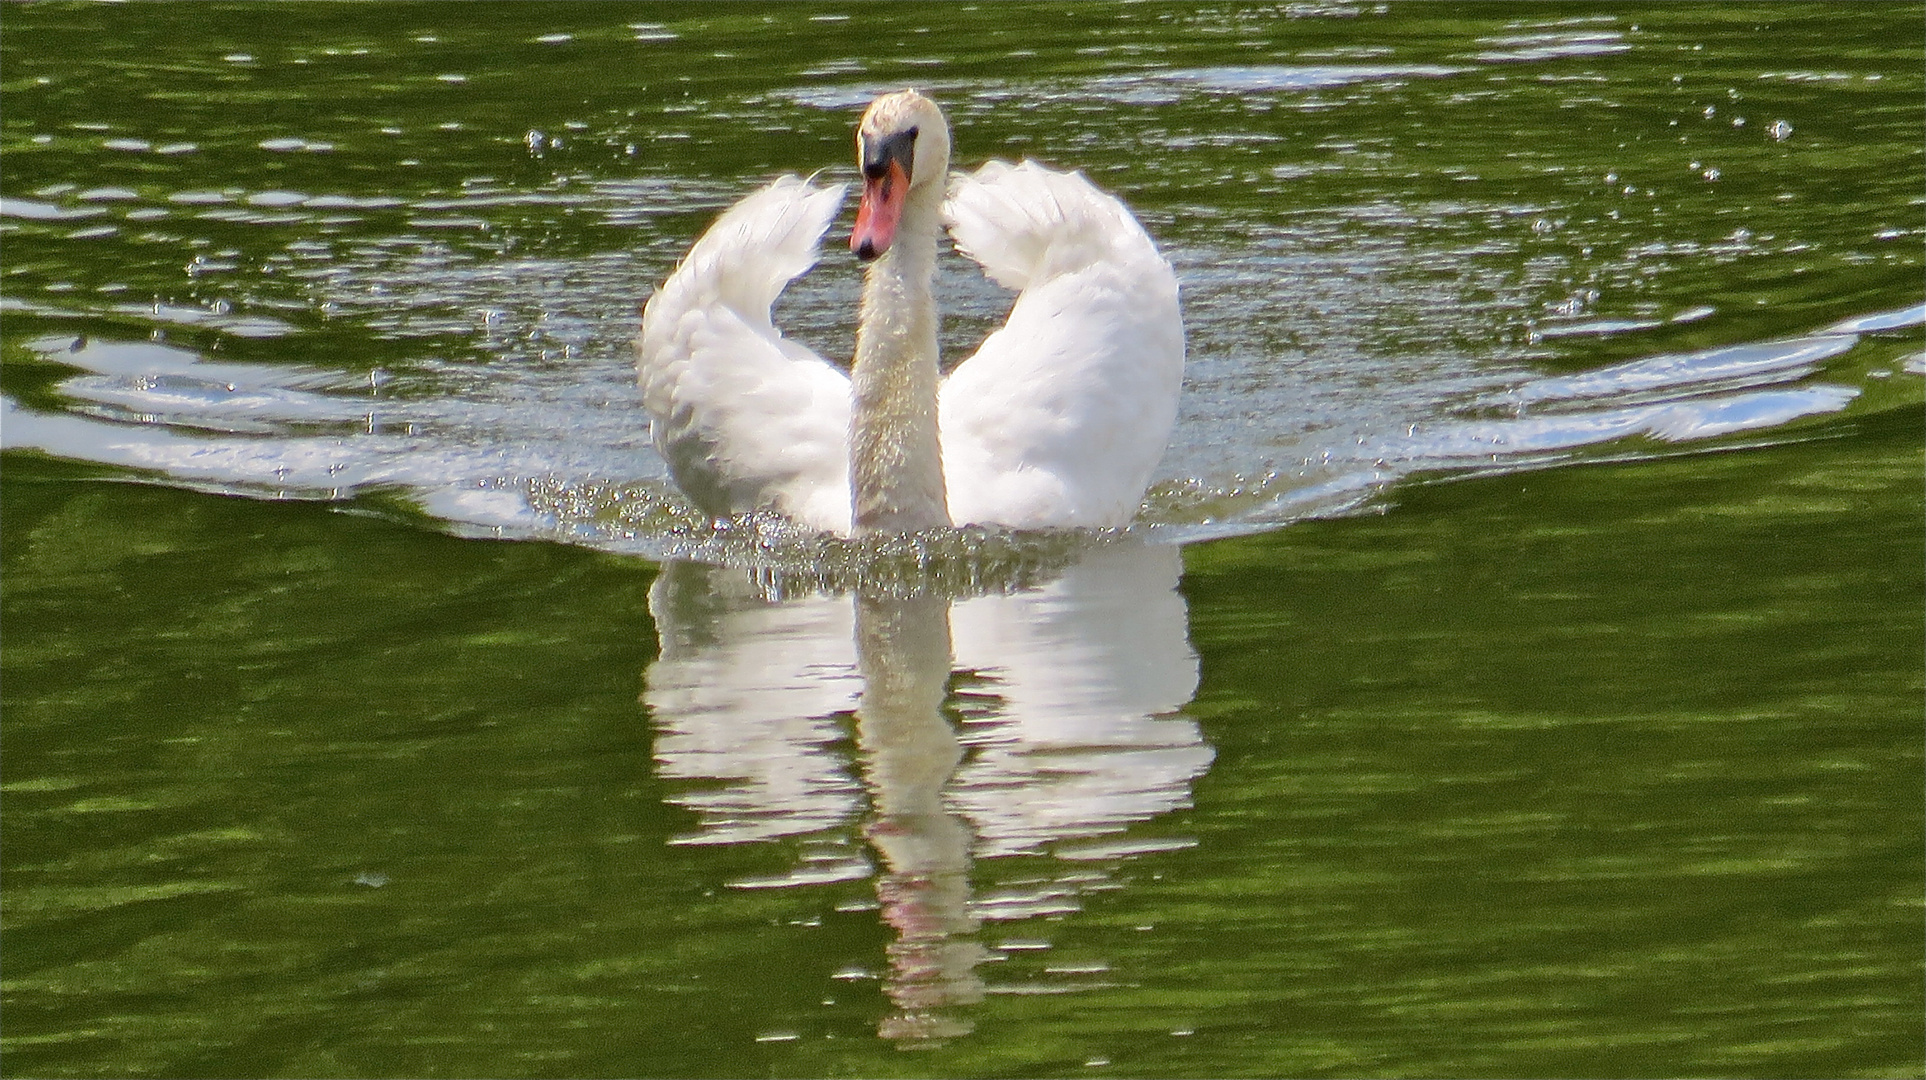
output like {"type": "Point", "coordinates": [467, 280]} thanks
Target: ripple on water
{"type": "Point", "coordinates": [1885, 320]}
{"type": "Point", "coordinates": [1268, 77]}
{"type": "Point", "coordinates": [524, 461]}
{"type": "Point", "coordinates": [1553, 45]}
{"type": "Point", "coordinates": [1721, 368]}
{"type": "Point", "coordinates": [293, 144]}
{"type": "Point", "coordinates": [32, 210]}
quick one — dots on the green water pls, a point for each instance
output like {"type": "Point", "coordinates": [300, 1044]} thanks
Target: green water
{"type": "Point", "coordinates": [1501, 722]}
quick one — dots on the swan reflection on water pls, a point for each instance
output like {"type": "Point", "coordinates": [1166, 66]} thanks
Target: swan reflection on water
{"type": "Point", "coordinates": [940, 732]}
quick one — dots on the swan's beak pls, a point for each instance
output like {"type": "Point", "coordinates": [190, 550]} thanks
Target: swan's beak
{"type": "Point", "coordinates": [886, 182]}
{"type": "Point", "coordinates": [881, 209]}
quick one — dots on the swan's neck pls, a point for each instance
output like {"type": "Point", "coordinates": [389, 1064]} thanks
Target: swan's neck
{"type": "Point", "coordinates": [895, 463]}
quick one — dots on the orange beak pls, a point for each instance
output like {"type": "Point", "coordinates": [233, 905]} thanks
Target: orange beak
{"type": "Point", "coordinates": [879, 213]}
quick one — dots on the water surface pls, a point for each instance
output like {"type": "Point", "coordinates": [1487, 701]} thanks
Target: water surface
{"type": "Point", "coordinates": [1515, 670]}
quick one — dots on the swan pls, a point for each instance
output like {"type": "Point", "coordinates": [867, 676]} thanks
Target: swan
{"type": "Point", "coordinates": [1057, 421]}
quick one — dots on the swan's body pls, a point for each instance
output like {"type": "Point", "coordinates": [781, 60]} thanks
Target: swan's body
{"type": "Point", "coordinates": [1058, 421]}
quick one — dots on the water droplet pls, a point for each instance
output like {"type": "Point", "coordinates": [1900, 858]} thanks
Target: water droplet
{"type": "Point", "coordinates": [1780, 130]}
{"type": "Point", "coordinates": [535, 140]}
{"type": "Point", "coordinates": [1710, 111]}
{"type": "Point", "coordinates": [1738, 121]}
{"type": "Point", "coordinates": [1710, 174]}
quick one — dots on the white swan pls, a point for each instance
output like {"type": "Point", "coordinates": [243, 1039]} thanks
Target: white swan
{"type": "Point", "coordinates": [1057, 421]}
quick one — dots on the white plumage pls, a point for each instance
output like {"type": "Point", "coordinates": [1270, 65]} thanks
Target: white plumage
{"type": "Point", "coordinates": [1061, 416]}
{"type": "Point", "coordinates": [1057, 421]}
{"type": "Point", "coordinates": [745, 418]}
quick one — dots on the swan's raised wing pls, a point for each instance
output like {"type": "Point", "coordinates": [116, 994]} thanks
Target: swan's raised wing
{"type": "Point", "coordinates": [1061, 416]}
{"type": "Point", "coordinates": [747, 419]}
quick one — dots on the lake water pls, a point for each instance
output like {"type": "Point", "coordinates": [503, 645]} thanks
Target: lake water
{"type": "Point", "coordinates": [1515, 670]}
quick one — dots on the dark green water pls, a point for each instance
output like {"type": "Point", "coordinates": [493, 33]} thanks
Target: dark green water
{"type": "Point", "coordinates": [1541, 694]}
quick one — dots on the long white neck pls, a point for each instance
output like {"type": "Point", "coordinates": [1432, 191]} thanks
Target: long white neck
{"type": "Point", "coordinates": [895, 461]}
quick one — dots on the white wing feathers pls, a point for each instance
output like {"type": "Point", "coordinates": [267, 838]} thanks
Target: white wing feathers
{"type": "Point", "coordinates": [746, 419]}
{"type": "Point", "coordinates": [1058, 421]}
{"type": "Point", "coordinates": [1060, 418]}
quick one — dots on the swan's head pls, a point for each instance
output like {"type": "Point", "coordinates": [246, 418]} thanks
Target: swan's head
{"type": "Point", "coordinates": [902, 146]}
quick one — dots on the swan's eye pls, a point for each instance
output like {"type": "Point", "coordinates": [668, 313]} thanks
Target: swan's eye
{"type": "Point", "coordinates": [899, 147]}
